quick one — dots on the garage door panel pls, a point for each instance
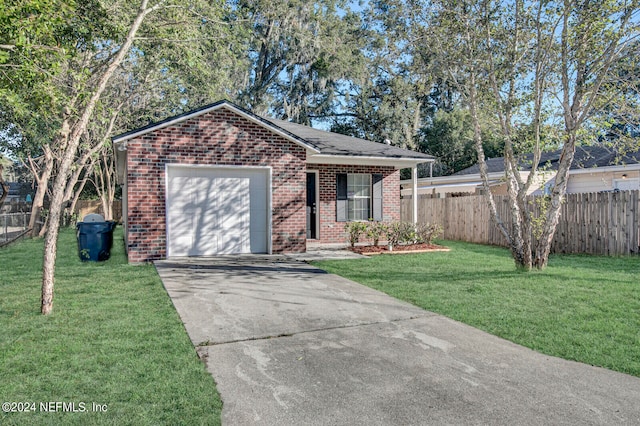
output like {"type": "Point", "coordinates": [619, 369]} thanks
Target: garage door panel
{"type": "Point", "coordinates": [203, 245]}
{"type": "Point", "coordinates": [233, 244]}
{"type": "Point", "coordinates": [234, 216]}
{"type": "Point", "coordinates": [207, 226]}
{"type": "Point", "coordinates": [180, 198]}
{"type": "Point", "coordinates": [203, 193]}
{"type": "Point", "coordinates": [182, 243]}
{"type": "Point", "coordinates": [228, 210]}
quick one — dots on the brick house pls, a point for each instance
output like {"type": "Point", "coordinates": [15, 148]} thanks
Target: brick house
{"type": "Point", "coordinates": [221, 180]}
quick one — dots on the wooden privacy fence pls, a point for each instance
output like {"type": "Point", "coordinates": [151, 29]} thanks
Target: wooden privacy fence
{"type": "Point", "coordinates": [84, 207]}
{"type": "Point", "coordinates": [593, 223]}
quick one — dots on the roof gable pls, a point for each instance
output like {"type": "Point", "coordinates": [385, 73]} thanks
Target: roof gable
{"type": "Point", "coordinates": [317, 142]}
{"type": "Point", "coordinates": [204, 110]}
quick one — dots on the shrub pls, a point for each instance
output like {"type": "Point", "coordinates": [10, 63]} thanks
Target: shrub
{"type": "Point", "coordinates": [407, 233]}
{"type": "Point", "coordinates": [394, 234]}
{"type": "Point", "coordinates": [355, 230]}
{"type": "Point", "coordinates": [426, 232]}
{"type": "Point", "coordinates": [375, 230]}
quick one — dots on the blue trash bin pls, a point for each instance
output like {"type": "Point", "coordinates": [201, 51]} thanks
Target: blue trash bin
{"type": "Point", "coordinates": [95, 240]}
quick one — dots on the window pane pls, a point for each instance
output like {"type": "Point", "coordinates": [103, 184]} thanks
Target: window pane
{"type": "Point", "coordinates": [359, 185]}
{"type": "Point", "coordinates": [359, 196]}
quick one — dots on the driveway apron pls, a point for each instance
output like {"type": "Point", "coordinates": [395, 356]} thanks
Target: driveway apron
{"type": "Point", "coordinates": [289, 344]}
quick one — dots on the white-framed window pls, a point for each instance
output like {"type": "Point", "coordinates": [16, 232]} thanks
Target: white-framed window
{"type": "Point", "coordinates": [358, 196]}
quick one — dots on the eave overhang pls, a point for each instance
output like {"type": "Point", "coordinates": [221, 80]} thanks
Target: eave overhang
{"type": "Point", "coordinates": [396, 162]}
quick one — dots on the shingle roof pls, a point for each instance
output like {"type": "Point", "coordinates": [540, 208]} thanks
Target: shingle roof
{"type": "Point", "coordinates": [585, 157]}
{"type": "Point", "coordinates": [318, 141]}
{"type": "Point", "coordinates": [330, 143]}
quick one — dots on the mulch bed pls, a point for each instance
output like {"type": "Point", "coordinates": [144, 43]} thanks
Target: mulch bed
{"type": "Point", "coordinates": [403, 249]}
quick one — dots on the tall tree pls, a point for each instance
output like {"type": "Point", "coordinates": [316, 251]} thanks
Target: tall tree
{"type": "Point", "coordinates": [399, 93]}
{"type": "Point", "coordinates": [593, 37]}
{"type": "Point", "coordinates": [39, 39]}
{"type": "Point", "coordinates": [299, 53]}
{"type": "Point", "coordinates": [449, 137]}
{"type": "Point", "coordinates": [530, 63]}
{"type": "Point", "coordinates": [84, 47]}
{"type": "Point", "coordinates": [71, 132]}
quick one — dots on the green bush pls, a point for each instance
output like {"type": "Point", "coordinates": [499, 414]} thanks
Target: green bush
{"type": "Point", "coordinates": [396, 232]}
{"type": "Point", "coordinates": [426, 232]}
{"type": "Point", "coordinates": [375, 230]}
{"type": "Point", "coordinates": [407, 233]}
{"type": "Point", "coordinates": [355, 230]}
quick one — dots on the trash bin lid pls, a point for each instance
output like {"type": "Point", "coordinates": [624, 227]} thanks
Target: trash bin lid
{"type": "Point", "coordinates": [93, 217]}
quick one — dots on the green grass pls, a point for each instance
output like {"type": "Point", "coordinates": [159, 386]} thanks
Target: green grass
{"type": "Point", "coordinates": [582, 308]}
{"type": "Point", "coordinates": [113, 338]}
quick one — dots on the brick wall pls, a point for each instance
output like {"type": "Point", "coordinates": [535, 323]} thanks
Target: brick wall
{"type": "Point", "coordinates": [332, 231]}
{"type": "Point", "coordinates": [219, 137]}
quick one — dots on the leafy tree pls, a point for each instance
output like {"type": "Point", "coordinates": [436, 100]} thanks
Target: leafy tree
{"type": "Point", "coordinates": [399, 93]}
{"type": "Point", "coordinates": [617, 116]}
{"type": "Point", "coordinates": [299, 52]}
{"type": "Point", "coordinates": [449, 137]}
{"type": "Point", "coordinates": [74, 56]}
{"type": "Point", "coordinates": [41, 39]}
{"type": "Point", "coordinates": [531, 63]}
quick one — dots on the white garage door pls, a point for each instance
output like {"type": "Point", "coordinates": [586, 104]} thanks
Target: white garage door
{"type": "Point", "coordinates": [217, 210]}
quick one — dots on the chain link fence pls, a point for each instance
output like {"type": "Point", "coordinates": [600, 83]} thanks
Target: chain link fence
{"type": "Point", "coordinates": [12, 225]}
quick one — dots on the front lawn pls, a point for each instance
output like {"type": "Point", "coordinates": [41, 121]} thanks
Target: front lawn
{"type": "Point", "coordinates": [113, 340]}
{"type": "Point", "coordinates": [582, 308]}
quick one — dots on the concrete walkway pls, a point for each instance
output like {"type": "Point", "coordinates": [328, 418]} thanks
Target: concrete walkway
{"type": "Point", "coordinates": [291, 345]}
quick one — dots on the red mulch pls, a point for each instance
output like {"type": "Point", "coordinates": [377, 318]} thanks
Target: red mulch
{"type": "Point", "coordinates": [401, 248]}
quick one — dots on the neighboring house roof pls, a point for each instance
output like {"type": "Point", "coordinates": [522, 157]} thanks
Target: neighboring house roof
{"type": "Point", "coordinates": [321, 146]}
{"type": "Point", "coordinates": [14, 188]}
{"type": "Point", "coordinates": [494, 165]}
{"type": "Point", "coordinates": [17, 189]}
{"type": "Point", "coordinates": [587, 160]}
{"type": "Point", "coordinates": [586, 157]}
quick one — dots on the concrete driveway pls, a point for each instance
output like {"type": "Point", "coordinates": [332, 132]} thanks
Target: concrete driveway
{"type": "Point", "coordinates": [289, 344]}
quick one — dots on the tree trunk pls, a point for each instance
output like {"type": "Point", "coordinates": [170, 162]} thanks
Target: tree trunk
{"type": "Point", "coordinates": [527, 229]}
{"type": "Point", "coordinates": [42, 180]}
{"type": "Point", "coordinates": [106, 208]}
{"type": "Point", "coordinates": [108, 182]}
{"type": "Point", "coordinates": [81, 164]}
{"type": "Point", "coordinates": [519, 251]}
{"type": "Point", "coordinates": [76, 196]}
{"type": "Point", "coordinates": [482, 163]}
{"type": "Point", "coordinates": [53, 228]}
{"type": "Point", "coordinates": [543, 246]}
{"type": "Point", "coordinates": [4, 186]}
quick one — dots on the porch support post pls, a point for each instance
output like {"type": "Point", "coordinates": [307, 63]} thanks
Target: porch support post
{"type": "Point", "coordinates": [414, 198]}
